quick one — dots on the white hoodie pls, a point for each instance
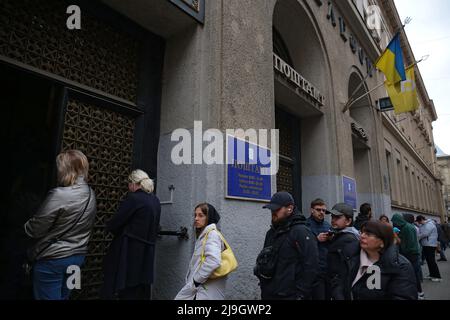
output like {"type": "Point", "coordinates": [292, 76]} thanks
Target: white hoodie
{"type": "Point", "coordinates": [428, 234]}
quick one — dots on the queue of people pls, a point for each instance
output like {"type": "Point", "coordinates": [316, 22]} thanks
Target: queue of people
{"type": "Point", "coordinates": [301, 259]}
{"type": "Point", "coordinates": [378, 260]}
{"type": "Point", "coordinates": [62, 227]}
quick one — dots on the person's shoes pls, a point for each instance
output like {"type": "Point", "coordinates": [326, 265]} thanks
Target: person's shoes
{"type": "Point", "coordinates": [427, 278]}
{"type": "Point", "coordinates": [421, 296]}
{"type": "Point", "coordinates": [442, 259]}
{"type": "Point", "coordinates": [436, 279]}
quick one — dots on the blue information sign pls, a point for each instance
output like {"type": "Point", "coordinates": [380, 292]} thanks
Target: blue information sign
{"type": "Point", "coordinates": [349, 185]}
{"type": "Point", "coordinates": [245, 161]}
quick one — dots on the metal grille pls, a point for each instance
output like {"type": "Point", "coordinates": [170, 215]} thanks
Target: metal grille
{"type": "Point", "coordinates": [285, 174]}
{"type": "Point", "coordinates": [35, 33]}
{"type": "Point", "coordinates": [106, 137]}
{"type": "Point", "coordinates": [284, 177]}
{"type": "Point", "coordinates": [285, 131]}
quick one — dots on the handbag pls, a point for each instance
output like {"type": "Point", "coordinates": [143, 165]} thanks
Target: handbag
{"type": "Point", "coordinates": [28, 266]}
{"type": "Point", "coordinates": [229, 262]}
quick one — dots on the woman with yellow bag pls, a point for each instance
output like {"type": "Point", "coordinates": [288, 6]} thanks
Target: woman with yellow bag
{"type": "Point", "coordinates": [212, 260]}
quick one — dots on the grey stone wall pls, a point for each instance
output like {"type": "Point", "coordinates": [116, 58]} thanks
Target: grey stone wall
{"type": "Point", "coordinates": [222, 74]}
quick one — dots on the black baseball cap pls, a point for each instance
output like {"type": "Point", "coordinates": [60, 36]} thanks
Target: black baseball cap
{"type": "Point", "coordinates": [280, 199]}
{"type": "Point", "coordinates": [341, 209]}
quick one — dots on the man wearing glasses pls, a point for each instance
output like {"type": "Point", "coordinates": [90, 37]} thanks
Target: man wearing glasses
{"type": "Point", "coordinates": [320, 228]}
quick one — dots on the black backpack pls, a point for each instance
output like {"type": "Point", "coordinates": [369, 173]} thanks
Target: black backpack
{"type": "Point", "coordinates": [267, 259]}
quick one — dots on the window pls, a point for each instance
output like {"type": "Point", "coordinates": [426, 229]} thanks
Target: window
{"type": "Point", "coordinates": [401, 182]}
{"type": "Point", "coordinates": [414, 202]}
{"type": "Point", "coordinates": [408, 191]}
{"type": "Point", "coordinates": [389, 171]}
{"type": "Point", "coordinates": [280, 48]}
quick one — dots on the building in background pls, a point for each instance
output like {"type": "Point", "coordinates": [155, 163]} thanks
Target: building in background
{"type": "Point", "coordinates": [443, 161]}
{"type": "Point", "coordinates": [138, 70]}
{"type": "Point", "coordinates": [412, 174]}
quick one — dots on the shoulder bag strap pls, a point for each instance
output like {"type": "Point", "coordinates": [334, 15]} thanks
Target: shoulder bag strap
{"type": "Point", "coordinates": [202, 256]}
{"type": "Point", "coordinates": [54, 240]}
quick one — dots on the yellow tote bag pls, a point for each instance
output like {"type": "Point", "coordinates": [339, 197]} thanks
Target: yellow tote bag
{"type": "Point", "coordinates": [229, 262]}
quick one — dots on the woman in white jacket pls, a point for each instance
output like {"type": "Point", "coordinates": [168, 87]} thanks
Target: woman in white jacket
{"type": "Point", "coordinates": [198, 285]}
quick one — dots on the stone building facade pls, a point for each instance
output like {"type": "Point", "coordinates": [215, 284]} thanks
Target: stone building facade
{"type": "Point", "coordinates": [443, 162]}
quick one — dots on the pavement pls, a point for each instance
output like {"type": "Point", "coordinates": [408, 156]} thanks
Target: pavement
{"type": "Point", "coordinates": [438, 290]}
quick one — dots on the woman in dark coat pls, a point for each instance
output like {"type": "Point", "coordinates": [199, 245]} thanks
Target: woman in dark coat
{"type": "Point", "coordinates": [128, 265]}
{"type": "Point", "coordinates": [397, 280]}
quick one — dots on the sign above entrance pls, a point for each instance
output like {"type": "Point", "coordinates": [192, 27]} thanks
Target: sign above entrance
{"type": "Point", "coordinates": [293, 76]}
{"type": "Point", "coordinates": [349, 186]}
{"type": "Point", "coordinates": [244, 178]}
{"type": "Point", "coordinates": [194, 8]}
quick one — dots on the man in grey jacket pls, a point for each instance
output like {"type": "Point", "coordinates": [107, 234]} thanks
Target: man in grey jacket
{"type": "Point", "coordinates": [428, 237]}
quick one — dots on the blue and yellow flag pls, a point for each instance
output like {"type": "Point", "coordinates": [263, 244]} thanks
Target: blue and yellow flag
{"type": "Point", "coordinates": [391, 61]}
{"type": "Point", "coordinates": [404, 94]}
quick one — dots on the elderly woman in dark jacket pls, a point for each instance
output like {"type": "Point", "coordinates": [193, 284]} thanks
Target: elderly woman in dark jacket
{"type": "Point", "coordinates": [128, 265]}
{"type": "Point", "coordinates": [397, 280]}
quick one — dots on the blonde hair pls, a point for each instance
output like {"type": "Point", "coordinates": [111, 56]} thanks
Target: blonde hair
{"type": "Point", "coordinates": [70, 165]}
{"type": "Point", "coordinates": [141, 178]}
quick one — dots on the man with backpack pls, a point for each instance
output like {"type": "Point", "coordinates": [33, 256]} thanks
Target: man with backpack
{"type": "Point", "coordinates": [287, 265]}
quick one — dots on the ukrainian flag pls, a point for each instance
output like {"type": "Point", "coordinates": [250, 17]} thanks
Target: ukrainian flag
{"type": "Point", "coordinates": [391, 61]}
{"type": "Point", "coordinates": [403, 95]}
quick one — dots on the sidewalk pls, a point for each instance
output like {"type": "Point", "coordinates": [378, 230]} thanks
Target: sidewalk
{"type": "Point", "coordinates": [438, 290]}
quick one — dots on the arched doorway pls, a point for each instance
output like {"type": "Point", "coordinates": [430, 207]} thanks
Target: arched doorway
{"type": "Point", "coordinates": [363, 130]}
{"type": "Point", "coordinates": [300, 57]}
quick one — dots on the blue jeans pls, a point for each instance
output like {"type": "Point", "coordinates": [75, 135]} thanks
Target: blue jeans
{"type": "Point", "coordinates": [50, 277]}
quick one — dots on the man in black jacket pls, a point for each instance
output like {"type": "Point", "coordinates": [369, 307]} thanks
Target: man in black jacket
{"type": "Point", "coordinates": [365, 214]}
{"type": "Point", "coordinates": [344, 246]}
{"type": "Point", "coordinates": [287, 266]}
{"type": "Point", "coordinates": [320, 228]}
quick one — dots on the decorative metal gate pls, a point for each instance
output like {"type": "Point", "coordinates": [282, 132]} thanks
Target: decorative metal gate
{"type": "Point", "coordinates": [106, 137]}
{"type": "Point", "coordinates": [286, 168]}
{"type": "Point", "coordinates": [33, 35]}
{"type": "Point", "coordinates": [288, 177]}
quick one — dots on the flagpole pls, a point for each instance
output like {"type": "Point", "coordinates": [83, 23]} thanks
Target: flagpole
{"type": "Point", "coordinates": [419, 61]}
{"type": "Point", "coordinates": [351, 101]}
{"type": "Point", "coordinates": [362, 96]}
